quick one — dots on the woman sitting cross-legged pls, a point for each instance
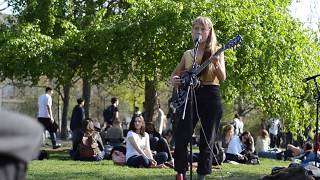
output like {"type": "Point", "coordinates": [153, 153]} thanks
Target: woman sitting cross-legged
{"type": "Point", "coordinates": [241, 148]}
{"type": "Point", "coordinates": [263, 148]}
{"type": "Point", "coordinates": [138, 147]}
{"type": "Point", "coordinates": [90, 146]}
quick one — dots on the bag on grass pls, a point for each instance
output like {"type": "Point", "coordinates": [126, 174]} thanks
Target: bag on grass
{"type": "Point", "coordinates": [290, 173]}
{"type": "Point", "coordinates": [118, 155]}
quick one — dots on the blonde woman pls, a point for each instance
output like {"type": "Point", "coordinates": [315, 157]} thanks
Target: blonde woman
{"type": "Point", "coordinates": [208, 99]}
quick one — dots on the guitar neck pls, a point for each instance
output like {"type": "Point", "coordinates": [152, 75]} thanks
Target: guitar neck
{"type": "Point", "coordinates": [208, 61]}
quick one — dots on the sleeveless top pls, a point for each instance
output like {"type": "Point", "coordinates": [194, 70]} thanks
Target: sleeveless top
{"type": "Point", "coordinates": [208, 78]}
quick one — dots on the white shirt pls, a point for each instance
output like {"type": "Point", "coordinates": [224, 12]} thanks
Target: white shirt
{"type": "Point", "coordinates": [274, 129]}
{"type": "Point", "coordinates": [44, 101]}
{"type": "Point", "coordinates": [161, 121]}
{"type": "Point", "coordinates": [235, 146]}
{"type": "Point", "coordinates": [238, 126]}
{"type": "Point", "coordinates": [141, 142]}
{"type": "Point", "coordinates": [262, 145]}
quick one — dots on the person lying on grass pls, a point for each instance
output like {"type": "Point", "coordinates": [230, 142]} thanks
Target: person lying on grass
{"type": "Point", "coordinates": [138, 147]}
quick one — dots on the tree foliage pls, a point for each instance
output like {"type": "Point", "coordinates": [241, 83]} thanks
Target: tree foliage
{"type": "Point", "coordinates": [266, 69]}
{"type": "Point", "coordinates": [140, 39]}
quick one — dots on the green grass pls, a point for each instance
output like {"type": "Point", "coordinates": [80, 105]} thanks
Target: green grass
{"type": "Point", "coordinates": [60, 166]}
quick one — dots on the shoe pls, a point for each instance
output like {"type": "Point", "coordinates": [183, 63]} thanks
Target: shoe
{"type": "Point", "coordinates": [280, 156]}
{"type": "Point", "coordinates": [169, 164]}
{"type": "Point", "coordinates": [180, 176]}
{"type": "Point", "coordinates": [56, 146]}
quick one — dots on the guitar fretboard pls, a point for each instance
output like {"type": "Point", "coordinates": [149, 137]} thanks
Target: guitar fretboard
{"type": "Point", "coordinates": [208, 61]}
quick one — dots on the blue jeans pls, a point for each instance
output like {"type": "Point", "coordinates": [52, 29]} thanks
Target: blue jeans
{"type": "Point", "coordinates": [268, 154]}
{"type": "Point", "coordinates": [100, 156]}
{"type": "Point", "coordinates": [141, 161]}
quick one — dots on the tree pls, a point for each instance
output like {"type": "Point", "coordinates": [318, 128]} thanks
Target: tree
{"type": "Point", "coordinates": [145, 40]}
{"type": "Point", "coordinates": [70, 25]}
{"type": "Point", "coordinates": [267, 68]}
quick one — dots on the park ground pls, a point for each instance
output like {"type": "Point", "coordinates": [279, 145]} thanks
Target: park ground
{"type": "Point", "coordinates": [60, 166]}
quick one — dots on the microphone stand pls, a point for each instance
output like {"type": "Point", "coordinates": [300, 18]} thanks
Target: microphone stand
{"type": "Point", "coordinates": [191, 86]}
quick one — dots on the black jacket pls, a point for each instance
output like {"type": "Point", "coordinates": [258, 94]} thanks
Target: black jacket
{"type": "Point", "coordinates": [77, 117]}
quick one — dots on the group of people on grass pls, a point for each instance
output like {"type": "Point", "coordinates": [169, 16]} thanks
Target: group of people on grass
{"type": "Point", "coordinates": [242, 148]}
{"type": "Point", "coordinates": [207, 110]}
{"type": "Point", "coordinates": [143, 145]}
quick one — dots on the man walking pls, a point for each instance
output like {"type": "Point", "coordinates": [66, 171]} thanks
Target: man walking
{"type": "Point", "coordinates": [77, 118]}
{"type": "Point", "coordinates": [111, 113]}
{"type": "Point", "coordinates": [45, 116]}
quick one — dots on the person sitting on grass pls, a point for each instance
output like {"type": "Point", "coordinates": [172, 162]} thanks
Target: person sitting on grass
{"type": "Point", "coordinates": [114, 136]}
{"type": "Point", "coordinates": [308, 154]}
{"type": "Point", "coordinates": [224, 140]}
{"type": "Point", "coordinates": [158, 143]}
{"type": "Point", "coordinates": [90, 146]}
{"type": "Point", "coordinates": [240, 147]}
{"type": "Point", "coordinates": [294, 151]}
{"type": "Point", "coordinates": [138, 147]}
{"type": "Point", "coordinates": [263, 148]}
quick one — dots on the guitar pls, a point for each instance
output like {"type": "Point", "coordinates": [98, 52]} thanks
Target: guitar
{"type": "Point", "coordinates": [192, 75]}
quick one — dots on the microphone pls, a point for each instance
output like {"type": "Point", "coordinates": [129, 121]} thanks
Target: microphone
{"type": "Point", "coordinates": [309, 78]}
{"type": "Point", "coordinates": [197, 39]}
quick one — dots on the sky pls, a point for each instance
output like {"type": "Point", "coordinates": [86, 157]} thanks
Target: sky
{"type": "Point", "coordinates": [307, 11]}
{"type": "Point", "coordinates": [7, 11]}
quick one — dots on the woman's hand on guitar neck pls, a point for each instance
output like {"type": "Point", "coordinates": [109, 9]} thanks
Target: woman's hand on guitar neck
{"type": "Point", "coordinates": [215, 60]}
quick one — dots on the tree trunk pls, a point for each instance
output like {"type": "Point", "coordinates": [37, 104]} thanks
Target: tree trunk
{"type": "Point", "coordinates": [86, 92]}
{"type": "Point", "coordinates": [243, 107]}
{"type": "Point", "coordinates": [240, 104]}
{"type": "Point", "coordinates": [64, 120]}
{"type": "Point", "coordinates": [150, 99]}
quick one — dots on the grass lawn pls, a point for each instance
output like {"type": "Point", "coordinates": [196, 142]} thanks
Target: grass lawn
{"type": "Point", "coordinates": [60, 166]}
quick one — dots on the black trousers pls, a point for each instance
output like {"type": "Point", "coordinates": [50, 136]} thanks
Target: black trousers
{"type": "Point", "coordinates": [160, 144]}
{"type": "Point", "coordinates": [210, 112]}
{"type": "Point", "coordinates": [273, 140]}
{"type": "Point", "coordinates": [47, 124]}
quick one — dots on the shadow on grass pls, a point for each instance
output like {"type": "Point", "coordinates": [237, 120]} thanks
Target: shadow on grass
{"type": "Point", "coordinates": [69, 169]}
{"type": "Point", "coordinates": [92, 175]}
{"type": "Point", "coordinates": [235, 176]}
{"type": "Point", "coordinates": [88, 175]}
{"type": "Point", "coordinates": [59, 154]}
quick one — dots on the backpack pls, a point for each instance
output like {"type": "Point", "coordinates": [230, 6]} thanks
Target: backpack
{"type": "Point", "coordinates": [88, 147]}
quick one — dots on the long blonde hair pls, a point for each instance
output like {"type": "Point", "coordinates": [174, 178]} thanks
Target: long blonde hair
{"type": "Point", "coordinates": [212, 43]}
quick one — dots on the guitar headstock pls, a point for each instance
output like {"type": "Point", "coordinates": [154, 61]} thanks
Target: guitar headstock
{"type": "Point", "coordinates": [233, 42]}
